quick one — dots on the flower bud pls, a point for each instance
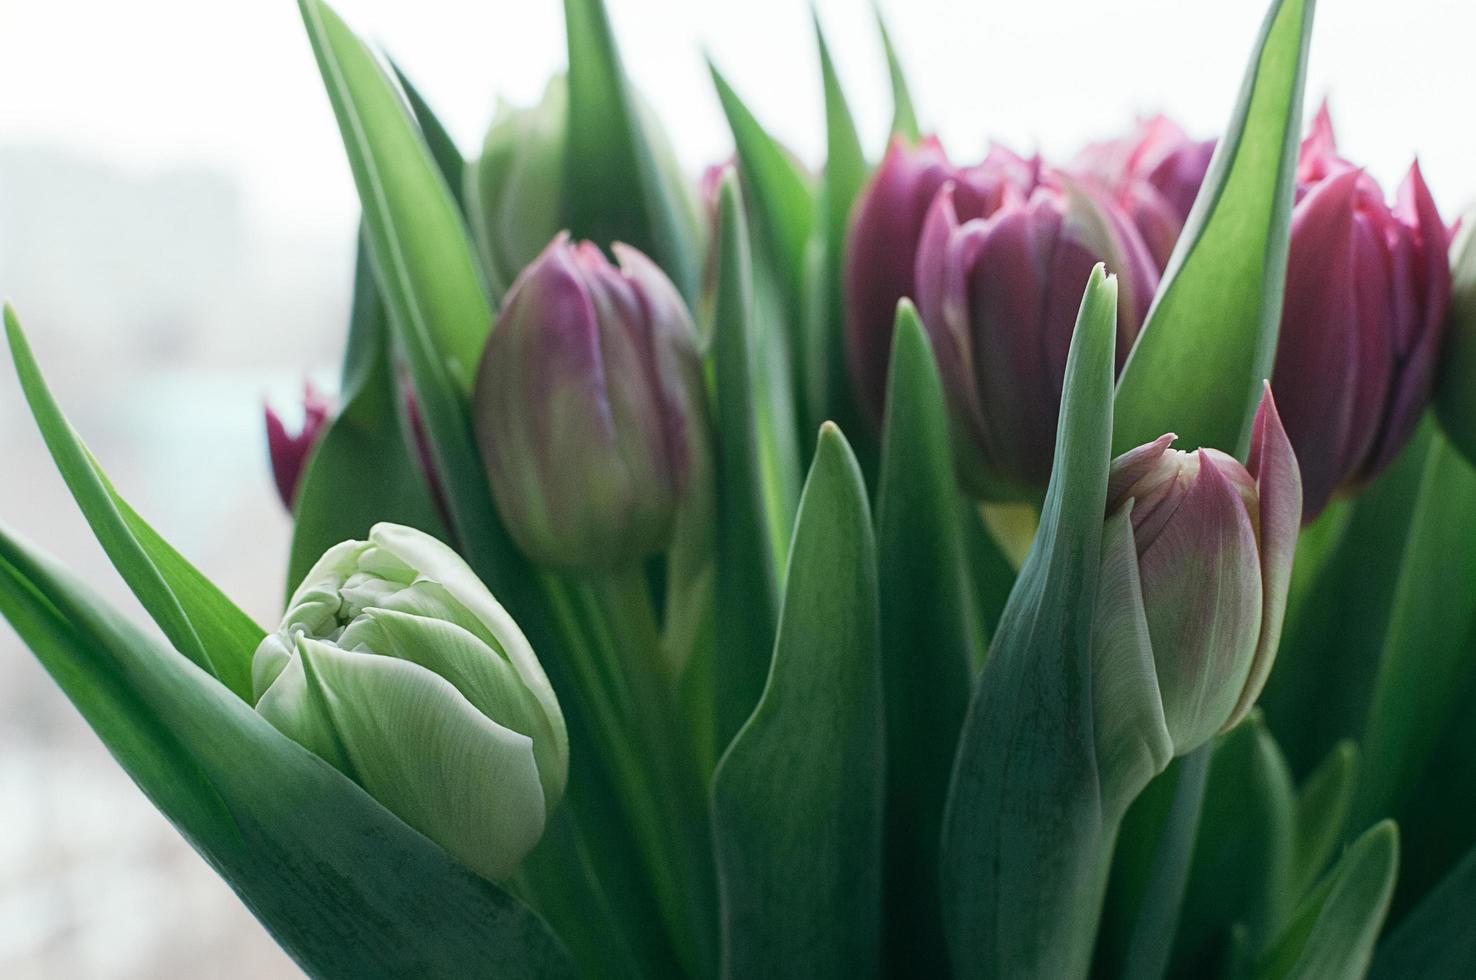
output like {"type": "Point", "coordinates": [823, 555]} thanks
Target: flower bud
{"type": "Point", "coordinates": [289, 451]}
{"type": "Point", "coordinates": [516, 188]}
{"type": "Point", "coordinates": [1214, 542]}
{"type": "Point", "coordinates": [1154, 174]}
{"type": "Point", "coordinates": [397, 666]}
{"type": "Point", "coordinates": [999, 296]}
{"type": "Point", "coordinates": [1366, 295]}
{"type": "Point", "coordinates": [588, 407]}
{"type": "Point", "coordinates": [881, 250]}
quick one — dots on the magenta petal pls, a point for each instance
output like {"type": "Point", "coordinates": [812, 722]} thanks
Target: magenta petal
{"type": "Point", "coordinates": [880, 251]}
{"type": "Point", "coordinates": [1415, 376]}
{"type": "Point", "coordinates": [1279, 486]}
{"type": "Point", "coordinates": [1203, 595]}
{"type": "Point", "coordinates": [1317, 363]}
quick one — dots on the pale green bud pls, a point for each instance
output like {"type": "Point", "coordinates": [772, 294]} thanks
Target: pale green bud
{"type": "Point", "coordinates": [397, 666]}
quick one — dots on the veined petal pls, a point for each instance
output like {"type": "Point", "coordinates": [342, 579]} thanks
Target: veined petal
{"type": "Point", "coordinates": [437, 562]}
{"type": "Point", "coordinates": [1202, 591]}
{"type": "Point", "coordinates": [422, 750]}
{"type": "Point", "coordinates": [1132, 738]}
{"type": "Point", "coordinates": [1279, 487]}
{"type": "Point", "coordinates": [483, 677]}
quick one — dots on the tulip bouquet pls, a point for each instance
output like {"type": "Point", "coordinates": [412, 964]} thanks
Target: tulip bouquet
{"type": "Point", "coordinates": [794, 573]}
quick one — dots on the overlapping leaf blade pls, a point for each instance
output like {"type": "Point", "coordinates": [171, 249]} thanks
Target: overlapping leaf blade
{"type": "Point", "coordinates": [1031, 814]}
{"type": "Point", "coordinates": [198, 620]}
{"type": "Point", "coordinates": [749, 521]}
{"type": "Point", "coordinates": [931, 639]}
{"type": "Point", "coordinates": [1210, 337]}
{"type": "Point", "coordinates": [342, 884]}
{"type": "Point", "coordinates": [1332, 934]}
{"type": "Point", "coordinates": [1436, 941]}
{"type": "Point", "coordinates": [797, 817]}
{"type": "Point", "coordinates": [617, 184]}
{"type": "Point", "coordinates": [426, 268]}
{"type": "Point", "coordinates": [364, 470]}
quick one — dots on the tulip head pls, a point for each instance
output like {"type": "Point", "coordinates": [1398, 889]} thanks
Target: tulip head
{"type": "Point", "coordinates": [1367, 290]}
{"type": "Point", "coordinates": [881, 249]}
{"type": "Point", "coordinates": [999, 295]}
{"type": "Point", "coordinates": [1214, 543]}
{"type": "Point", "coordinates": [588, 407]}
{"type": "Point", "coordinates": [516, 188]}
{"type": "Point", "coordinates": [397, 666]}
{"type": "Point", "coordinates": [1154, 174]}
{"type": "Point", "coordinates": [289, 451]}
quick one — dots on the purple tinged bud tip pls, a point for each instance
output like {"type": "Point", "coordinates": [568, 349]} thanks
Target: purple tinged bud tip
{"type": "Point", "coordinates": [588, 407]}
{"type": "Point", "coordinates": [289, 451]}
{"type": "Point", "coordinates": [1215, 541]}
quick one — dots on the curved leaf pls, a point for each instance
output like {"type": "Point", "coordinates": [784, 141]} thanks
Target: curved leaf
{"type": "Point", "coordinates": [797, 799]}
{"type": "Point", "coordinates": [1031, 816]}
{"type": "Point", "coordinates": [364, 470]}
{"type": "Point", "coordinates": [931, 638]}
{"type": "Point", "coordinates": [615, 186]}
{"type": "Point", "coordinates": [426, 268]}
{"type": "Point", "coordinates": [198, 619]}
{"type": "Point", "coordinates": [1210, 337]}
{"type": "Point", "coordinates": [1436, 941]}
{"type": "Point", "coordinates": [344, 886]}
{"type": "Point", "coordinates": [904, 117]}
{"type": "Point", "coordinates": [1332, 935]}
{"type": "Point", "coordinates": [748, 568]}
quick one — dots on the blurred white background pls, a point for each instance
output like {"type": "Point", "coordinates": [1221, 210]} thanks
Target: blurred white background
{"type": "Point", "coordinates": [176, 223]}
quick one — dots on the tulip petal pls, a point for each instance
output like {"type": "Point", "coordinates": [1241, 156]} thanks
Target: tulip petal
{"type": "Point", "coordinates": [1202, 591]}
{"type": "Point", "coordinates": [431, 758]}
{"type": "Point", "coordinates": [1132, 466]}
{"type": "Point", "coordinates": [290, 705]}
{"type": "Point", "coordinates": [1279, 487]}
{"type": "Point", "coordinates": [439, 563]}
{"type": "Point", "coordinates": [1317, 369]}
{"type": "Point", "coordinates": [1132, 738]}
{"type": "Point", "coordinates": [484, 678]}
{"type": "Point", "coordinates": [1412, 384]}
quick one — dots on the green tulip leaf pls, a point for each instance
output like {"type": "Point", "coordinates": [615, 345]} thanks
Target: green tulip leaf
{"type": "Point", "coordinates": [364, 469]}
{"type": "Point", "coordinates": [1332, 933]}
{"type": "Point", "coordinates": [1210, 337]}
{"type": "Point", "coordinates": [931, 638]}
{"type": "Point", "coordinates": [750, 520]}
{"type": "Point", "coordinates": [797, 798]}
{"type": "Point", "coordinates": [904, 117]}
{"type": "Point", "coordinates": [1426, 664]}
{"type": "Point", "coordinates": [1454, 403]}
{"type": "Point", "coordinates": [1338, 625]}
{"type": "Point", "coordinates": [344, 886]}
{"type": "Point", "coordinates": [1243, 853]}
{"type": "Point", "coordinates": [620, 179]}
{"type": "Point", "coordinates": [1324, 802]}
{"type": "Point", "coordinates": [443, 149]}
{"type": "Point", "coordinates": [1435, 941]}
{"type": "Point", "coordinates": [1032, 809]}
{"type": "Point", "coordinates": [197, 618]}
{"type": "Point", "coordinates": [828, 389]}
{"type": "Point", "coordinates": [427, 271]}
{"type": "Point", "coordinates": [419, 243]}
{"type": "Point", "coordinates": [1150, 871]}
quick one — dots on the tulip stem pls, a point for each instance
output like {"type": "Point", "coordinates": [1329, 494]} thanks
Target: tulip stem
{"type": "Point", "coordinates": [673, 770]}
{"type": "Point", "coordinates": [606, 626]}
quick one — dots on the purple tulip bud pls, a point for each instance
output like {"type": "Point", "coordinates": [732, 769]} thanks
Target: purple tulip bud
{"type": "Point", "coordinates": [882, 246]}
{"type": "Point", "coordinates": [1214, 543]}
{"type": "Point", "coordinates": [1154, 174]}
{"type": "Point", "coordinates": [999, 296]}
{"type": "Point", "coordinates": [1366, 295]}
{"type": "Point", "coordinates": [588, 407]}
{"type": "Point", "coordinates": [289, 451]}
